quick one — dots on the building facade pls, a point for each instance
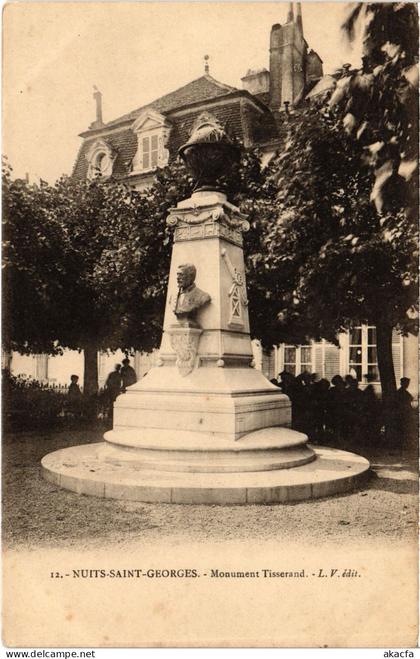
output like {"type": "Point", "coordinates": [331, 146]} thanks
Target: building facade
{"type": "Point", "coordinates": [354, 355]}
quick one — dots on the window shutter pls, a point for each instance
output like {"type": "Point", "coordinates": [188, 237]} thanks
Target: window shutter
{"type": "Point", "coordinates": [332, 360]}
{"type": "Point", "coordinates": [146, 152]}
{"type": "Point", "coordinates": [318, 365]}
{"type": "Point", "coordinates": [272, 365]}
{"type": "Point", "coordinates": [154, 150]}
{"type": "Point", "coordinates": [396, 356]}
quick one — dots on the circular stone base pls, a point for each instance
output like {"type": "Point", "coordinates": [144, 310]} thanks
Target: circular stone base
{"type": "Point", "coordinates": [262, 450]}
{"type": "Point", "coordinates": [84, 470]}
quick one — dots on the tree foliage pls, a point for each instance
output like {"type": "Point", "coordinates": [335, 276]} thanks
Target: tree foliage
{"type": "Point", "coordinates": [74, 253]}
{"type": "Point", "coordinates": [332, 260]}
{"type": "Point", "coordinates": [85, 265]}
{"type": "Point", "coordinates": [378, 104]}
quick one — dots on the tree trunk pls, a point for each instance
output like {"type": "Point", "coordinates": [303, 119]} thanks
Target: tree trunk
{"type": "Point", "coordinates": [6, 360]}
{"type": "Point", "coordinates": [387, 376]}
{"type": "Point", "coordinates": [90, 380]}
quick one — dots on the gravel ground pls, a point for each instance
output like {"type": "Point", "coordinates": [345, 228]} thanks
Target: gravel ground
{"type": "Point", "coordinates": [37, 513]}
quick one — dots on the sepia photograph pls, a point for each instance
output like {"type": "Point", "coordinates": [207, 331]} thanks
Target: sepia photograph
{"type": "Point", "coordinates": [210, 324]}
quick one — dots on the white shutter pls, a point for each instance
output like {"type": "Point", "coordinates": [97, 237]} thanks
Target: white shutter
{"type": "Point", "coordinates": [266, 364]}
{"type": "Point", "coordinates": [318, 363]}
{"type": "Point", "coordinates": [272, 365]}
{"type": "Point", "coordinates": [396, 355]}
{"type": "Point", "coordinates": [331, 360]}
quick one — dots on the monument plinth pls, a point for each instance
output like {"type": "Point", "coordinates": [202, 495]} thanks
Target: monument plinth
{"type": "Point", "coordinates": [205, 426]}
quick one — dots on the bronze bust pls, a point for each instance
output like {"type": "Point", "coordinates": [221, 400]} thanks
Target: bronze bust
{"type": "Point", "coordinates": [190, 298]}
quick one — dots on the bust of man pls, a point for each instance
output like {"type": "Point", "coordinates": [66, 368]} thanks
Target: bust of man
{"type": "Point", "coordinates": [190, 298]}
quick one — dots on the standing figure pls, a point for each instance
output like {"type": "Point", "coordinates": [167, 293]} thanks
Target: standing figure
{"type": "Point", "coordinates": [336, 407]}
{"type": "Point", "coordinates": [371, 414]}
{"type": "Point", "coordinates": [128, 375]}
{"type": "Point", "coordinates": [403, 411]}
{"type": "Point", "coordinates": [353, 401]}
{"type": "Point", "coordinates": [74, 397]}
{"type": "Point", "coordinates": [113, 389]}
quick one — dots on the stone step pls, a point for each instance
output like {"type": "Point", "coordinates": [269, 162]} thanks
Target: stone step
{"type": "Point", "coordinates": [184, 440]}
{"type": "Point", "coordinates": [208, 461]}
{"type": "Point", "coordinates": [83, 470]}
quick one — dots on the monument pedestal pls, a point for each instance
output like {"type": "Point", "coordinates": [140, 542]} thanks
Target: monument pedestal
{"type": "Point", "coordinates": [204, 426]}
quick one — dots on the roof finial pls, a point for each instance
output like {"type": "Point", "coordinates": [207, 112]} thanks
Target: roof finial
{"type": "Point", "coordinates": [206, 65]}
{"type": "Point", "coordinates": [290, 13]}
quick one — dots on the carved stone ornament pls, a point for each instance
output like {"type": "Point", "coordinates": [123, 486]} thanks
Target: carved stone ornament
{"type": "Point", "coordinates": [184, 342]}
{"type": "Point", "coordinates": [224, 221]}
{"type": "Point", "coordinates": [195, 216]}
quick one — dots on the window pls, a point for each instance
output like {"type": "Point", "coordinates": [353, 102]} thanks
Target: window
{"type": "Point", "coordinates": [100, 157]}
{"type": "Point", "coordinates": [152, 130]}
{"type": "Point", "coordinates": [102, 164]}
{"type": "Point", "coordinates": [363, 361]}
{"type": "Point", "coordinates": [297, 359]}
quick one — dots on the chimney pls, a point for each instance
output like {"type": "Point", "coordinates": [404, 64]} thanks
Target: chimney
{"type": "Point", "coordinates": [298, 21]}
{"type": "Point", "coordinates": [276, 48]}
{"type": "Point", "coordinates": [98, 98]}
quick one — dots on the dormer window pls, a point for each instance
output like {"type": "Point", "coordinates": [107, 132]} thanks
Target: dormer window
{"type": "Point", "coordinates": [152, 130]}
{"type": "Point", "coordinates": [101, 158]}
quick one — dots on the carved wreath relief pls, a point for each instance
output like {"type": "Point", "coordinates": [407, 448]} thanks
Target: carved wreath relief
{"type": "Point", "coordinates": [185, 344]}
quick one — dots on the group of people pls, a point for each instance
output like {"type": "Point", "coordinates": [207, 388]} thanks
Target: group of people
{"type": "Point", "coordinates": [341, 410]}
{"type": "Point", "coordinates": [120, 378]}
{"type": "Point", "coordinates": [117, 382]}
{"type": "Point", "coordinates": [338, 409]}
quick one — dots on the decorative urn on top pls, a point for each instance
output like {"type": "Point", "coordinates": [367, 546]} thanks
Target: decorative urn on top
{"type": "Point", "coordinates": [209, 153]}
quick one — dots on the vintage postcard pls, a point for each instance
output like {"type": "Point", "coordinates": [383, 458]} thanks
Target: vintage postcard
{"type": "Point", "coordinates": [209, 346]}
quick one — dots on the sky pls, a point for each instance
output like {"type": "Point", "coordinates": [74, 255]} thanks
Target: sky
{"type": "Point", "coordinates": [55, 52]}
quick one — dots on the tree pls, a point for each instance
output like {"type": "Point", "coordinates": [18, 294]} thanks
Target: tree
{"type": "Point", "coordinates": [378, 106]}
{"type": "Point", "coordinates": [86, 264]}
{"type": "Point", "coordinates": [331, 260]}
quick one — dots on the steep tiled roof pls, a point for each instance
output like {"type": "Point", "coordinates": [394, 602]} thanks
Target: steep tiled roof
{"type": "Point", "coordinates": [124, 141]}
{"type": "Point", "coordinates": [206, 92]}
{"type": "Point", "coordinates": [198, 90]}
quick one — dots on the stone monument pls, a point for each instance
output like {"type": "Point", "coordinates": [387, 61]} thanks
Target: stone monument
{"type": "Point", "coordinates": [205, 426]}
